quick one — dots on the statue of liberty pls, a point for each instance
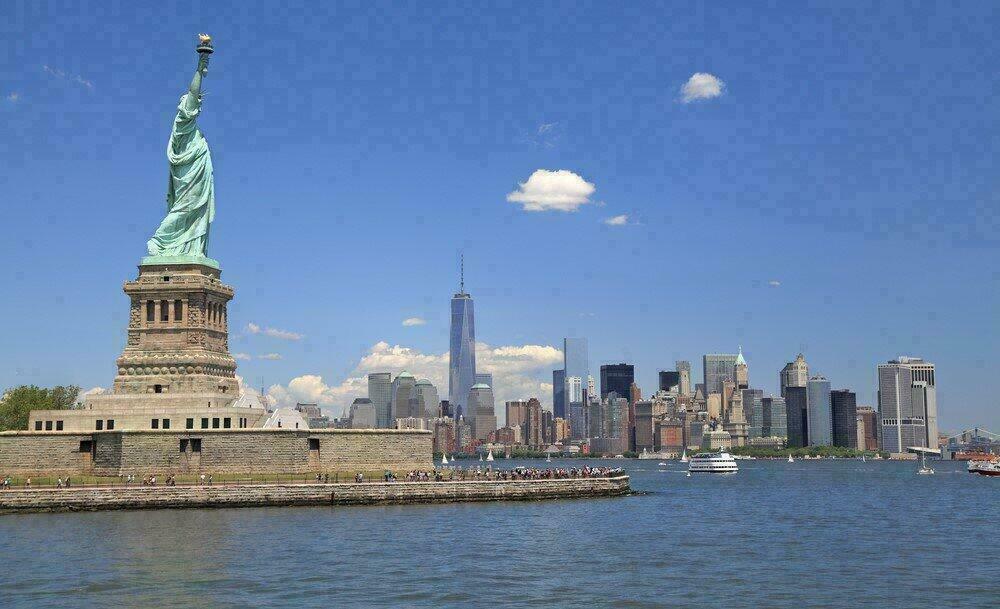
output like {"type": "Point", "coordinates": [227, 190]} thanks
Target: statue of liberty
{"type": "Point", "coordinates": [183, 233]}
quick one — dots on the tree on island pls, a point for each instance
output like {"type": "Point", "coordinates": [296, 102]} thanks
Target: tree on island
{"type": "Point", "coordinates": [17, 402]}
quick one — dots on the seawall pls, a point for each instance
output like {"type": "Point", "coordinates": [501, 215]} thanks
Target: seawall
{"type": "Point", "coordinates": [213, 451]}
{"type": "Point", "coordinates": [73, 499]}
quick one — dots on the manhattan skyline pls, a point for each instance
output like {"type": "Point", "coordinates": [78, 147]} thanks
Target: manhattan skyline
{"type": "Point", "coordinates": [774, 215]}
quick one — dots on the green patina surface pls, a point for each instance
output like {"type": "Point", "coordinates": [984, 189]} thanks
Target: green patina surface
{"type": "Point", "coordinates": [185, 230]}
{"type": "Point", "coordinates": [180, 259]}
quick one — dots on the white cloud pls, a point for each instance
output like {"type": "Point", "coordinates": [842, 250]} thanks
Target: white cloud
{"type": "Point", "coordinates": [253, 328]}
{"type": "Point", "coordinates": [519, 371]}
{"type": "Point", "coordinates": [414, 321]}
{"type": "Point", "coordinates": [701, 85]}
{"type": "Point", "coordinates": [545, 190]}
{"type": "Point", "coordinates": [242, 356]}
{"type": "Point", "coordinates": [62, 75]}
{"type": "Point", "coordinates": [774, 283]}
{"type": "Point", "coordinates": [270, 356]}
{"type": "Point", "coordinates": [621, 220]}
{"type": "Point", "coordinates": [13, 96]}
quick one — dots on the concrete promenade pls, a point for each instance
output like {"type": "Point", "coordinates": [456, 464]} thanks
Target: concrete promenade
{"type": "Point", "coordinates": [22, 500]}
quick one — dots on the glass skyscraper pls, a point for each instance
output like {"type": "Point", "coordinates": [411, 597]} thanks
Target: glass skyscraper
{"type": "Point", "coordinates": [559, 394]}
{"type": "Point", "coordinates": [820, 416]}
{"type": "Point", "coordinates": [617, 378]}
{"type": "Point", "coordinates": [796, 426]}
{"type": "Point", "coordinates": [462, 351]}
{"type": "Point", "coordinates": [380, 393]}
{"type": "Point", "coordinates": [718, 368]}
{"type": "Point", "coordinates": [775, 418]}
{"type": "Point", "coordinates": [844, 411]}
{"type": "Point", "coordinates": [907, 404]}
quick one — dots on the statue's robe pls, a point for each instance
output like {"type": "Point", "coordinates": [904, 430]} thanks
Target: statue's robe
{"type": "Point", "coordinates": [190, 191]}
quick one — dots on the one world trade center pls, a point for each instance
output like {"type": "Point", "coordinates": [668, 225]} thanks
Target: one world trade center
{"type": "Point", "coordinates": [462, 352]}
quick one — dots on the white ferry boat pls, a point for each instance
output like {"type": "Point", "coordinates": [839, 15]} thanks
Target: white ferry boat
{"type": "Point", "coordinates": [713, 463]}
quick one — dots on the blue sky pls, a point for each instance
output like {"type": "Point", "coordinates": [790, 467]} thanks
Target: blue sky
{"type": "Point", "coordinates": [358, 148]}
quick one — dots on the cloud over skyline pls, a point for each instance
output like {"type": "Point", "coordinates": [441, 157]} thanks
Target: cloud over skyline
{"type": "Point", "coordinates": [62, 75]}
{"type": "Point", "coordinates": [702, 85]}
{"type": "Point", "coordinates": [620, 220]}
{"type": "Point", "coordinates": [414, 321]}
{"type": "Point", "coordinates": [545, 190]}
{"type": "Point", "coordinates": [519, 371]}
{"type": "Point", "coordinates": [253, 328]}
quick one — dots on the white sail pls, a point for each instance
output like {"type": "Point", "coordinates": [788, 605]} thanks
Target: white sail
{"type": "Point", "coordinates": [444, 459]}
{"type": "Point", "coordinates": [489, 457]}
{"type": "Point", "coordinates": [684, 455]}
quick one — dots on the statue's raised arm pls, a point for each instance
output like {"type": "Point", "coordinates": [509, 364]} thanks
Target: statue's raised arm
{"type": "Point", "coordinates": [191, 189]}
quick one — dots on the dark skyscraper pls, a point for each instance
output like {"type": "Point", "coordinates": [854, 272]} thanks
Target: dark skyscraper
{"type": "Point", "coordinates": [844, 405]}
{"type": "Point", "coordinates": [462, 352]}
{"type": "Point", "coordinates": [796, 407]}
{"type": "Point", "coordinates": [668, 379]}
{"type": "Point", "coordinates": [617, 378]}
{"type": "Point", "coordinates": [559, 394]}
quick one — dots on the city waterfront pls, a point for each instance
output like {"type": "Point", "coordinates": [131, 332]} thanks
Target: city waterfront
{"type": "Point", "coordinates": [806, 534]}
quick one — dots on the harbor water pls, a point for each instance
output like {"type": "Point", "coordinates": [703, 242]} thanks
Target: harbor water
{"type": "Point", "coordinates": [805, 534]}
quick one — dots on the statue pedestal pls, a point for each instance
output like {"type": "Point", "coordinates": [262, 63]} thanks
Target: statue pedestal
{"type": "Point", "coordinates": [178, 334]}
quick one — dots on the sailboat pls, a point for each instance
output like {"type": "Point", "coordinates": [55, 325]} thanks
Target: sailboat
{"type": "Point", "coordinates": [548, 458]}
{"type": "Point", "coordinates": [923, 465]}
{"type": "Point", "coordinates": [444, 458]}
{"type": "Point", "coordinates": [480, 458]}
{"type": "Point", "coordinates": [790, 459]}
{"type": "Point", "coordinates": [684, 455]}
{"type": "Point", "coordinates": [489, 457]}
{"type": "Point", "coordinates": [863, 458]}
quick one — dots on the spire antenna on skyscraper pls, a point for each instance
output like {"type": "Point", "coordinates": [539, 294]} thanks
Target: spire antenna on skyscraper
{"type": "Point", "coordinates": [461, 273]}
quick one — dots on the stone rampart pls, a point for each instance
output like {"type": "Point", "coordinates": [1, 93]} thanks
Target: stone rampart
{"type": "Point", "coordinates": [22, 500]}
{"type": "Point", "coordinates": [234, 451]}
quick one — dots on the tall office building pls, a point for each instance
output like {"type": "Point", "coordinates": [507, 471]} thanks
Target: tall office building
{"type": "Point", "coordinates": [481, 411]}
{"type": "Point", "coordinates": [775, 424]}
{"type": "Point", "coordinates": [462, 351]}
{"type": "Point", "coordinates": [867, 428]}
{"type": "Point", "coordinates": [380, 393]}
{"type": "Point", "coordinates": [428, 401]}
{"type": "Point", "coordinates": [617, 378]}
{"type": "Point", "coordinates": [794, 374]}
{"type": "Point", "coordinates": [517, 413]}
{"type": "Point", "coordinates": [820, 416]}
{"type": "Point", "coordinates": [559, 394]}
{"type": "Point", "coordinates": [844, 411]}
{"type": "Point", "coordinates": [907, 404]}
{"type": "Point", "coordinates": [753, 410]}
{"type": "Point", "coordinates": [717, 368]}
{"type": "Point", "coordinates": [576, 362]}
{"type": "Point", "coordinates": [484, 378]}
{"type": "Point", "coordinates": [533, 424]}
{"type": "Point", "coordinates": [684, 372]}
{"type": "Point", "coordinates": [670, 379]}
{"type": "Point", "coordinates": [575, 407]}
{"type": "Point", "coordinates": [741, 372]}
{"type": "Point", "coordinates": [402, 391]}
{"type": "Point", "coordinates": [362, 414]}
{"type": "Point", "coordinates": [796, 413]}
